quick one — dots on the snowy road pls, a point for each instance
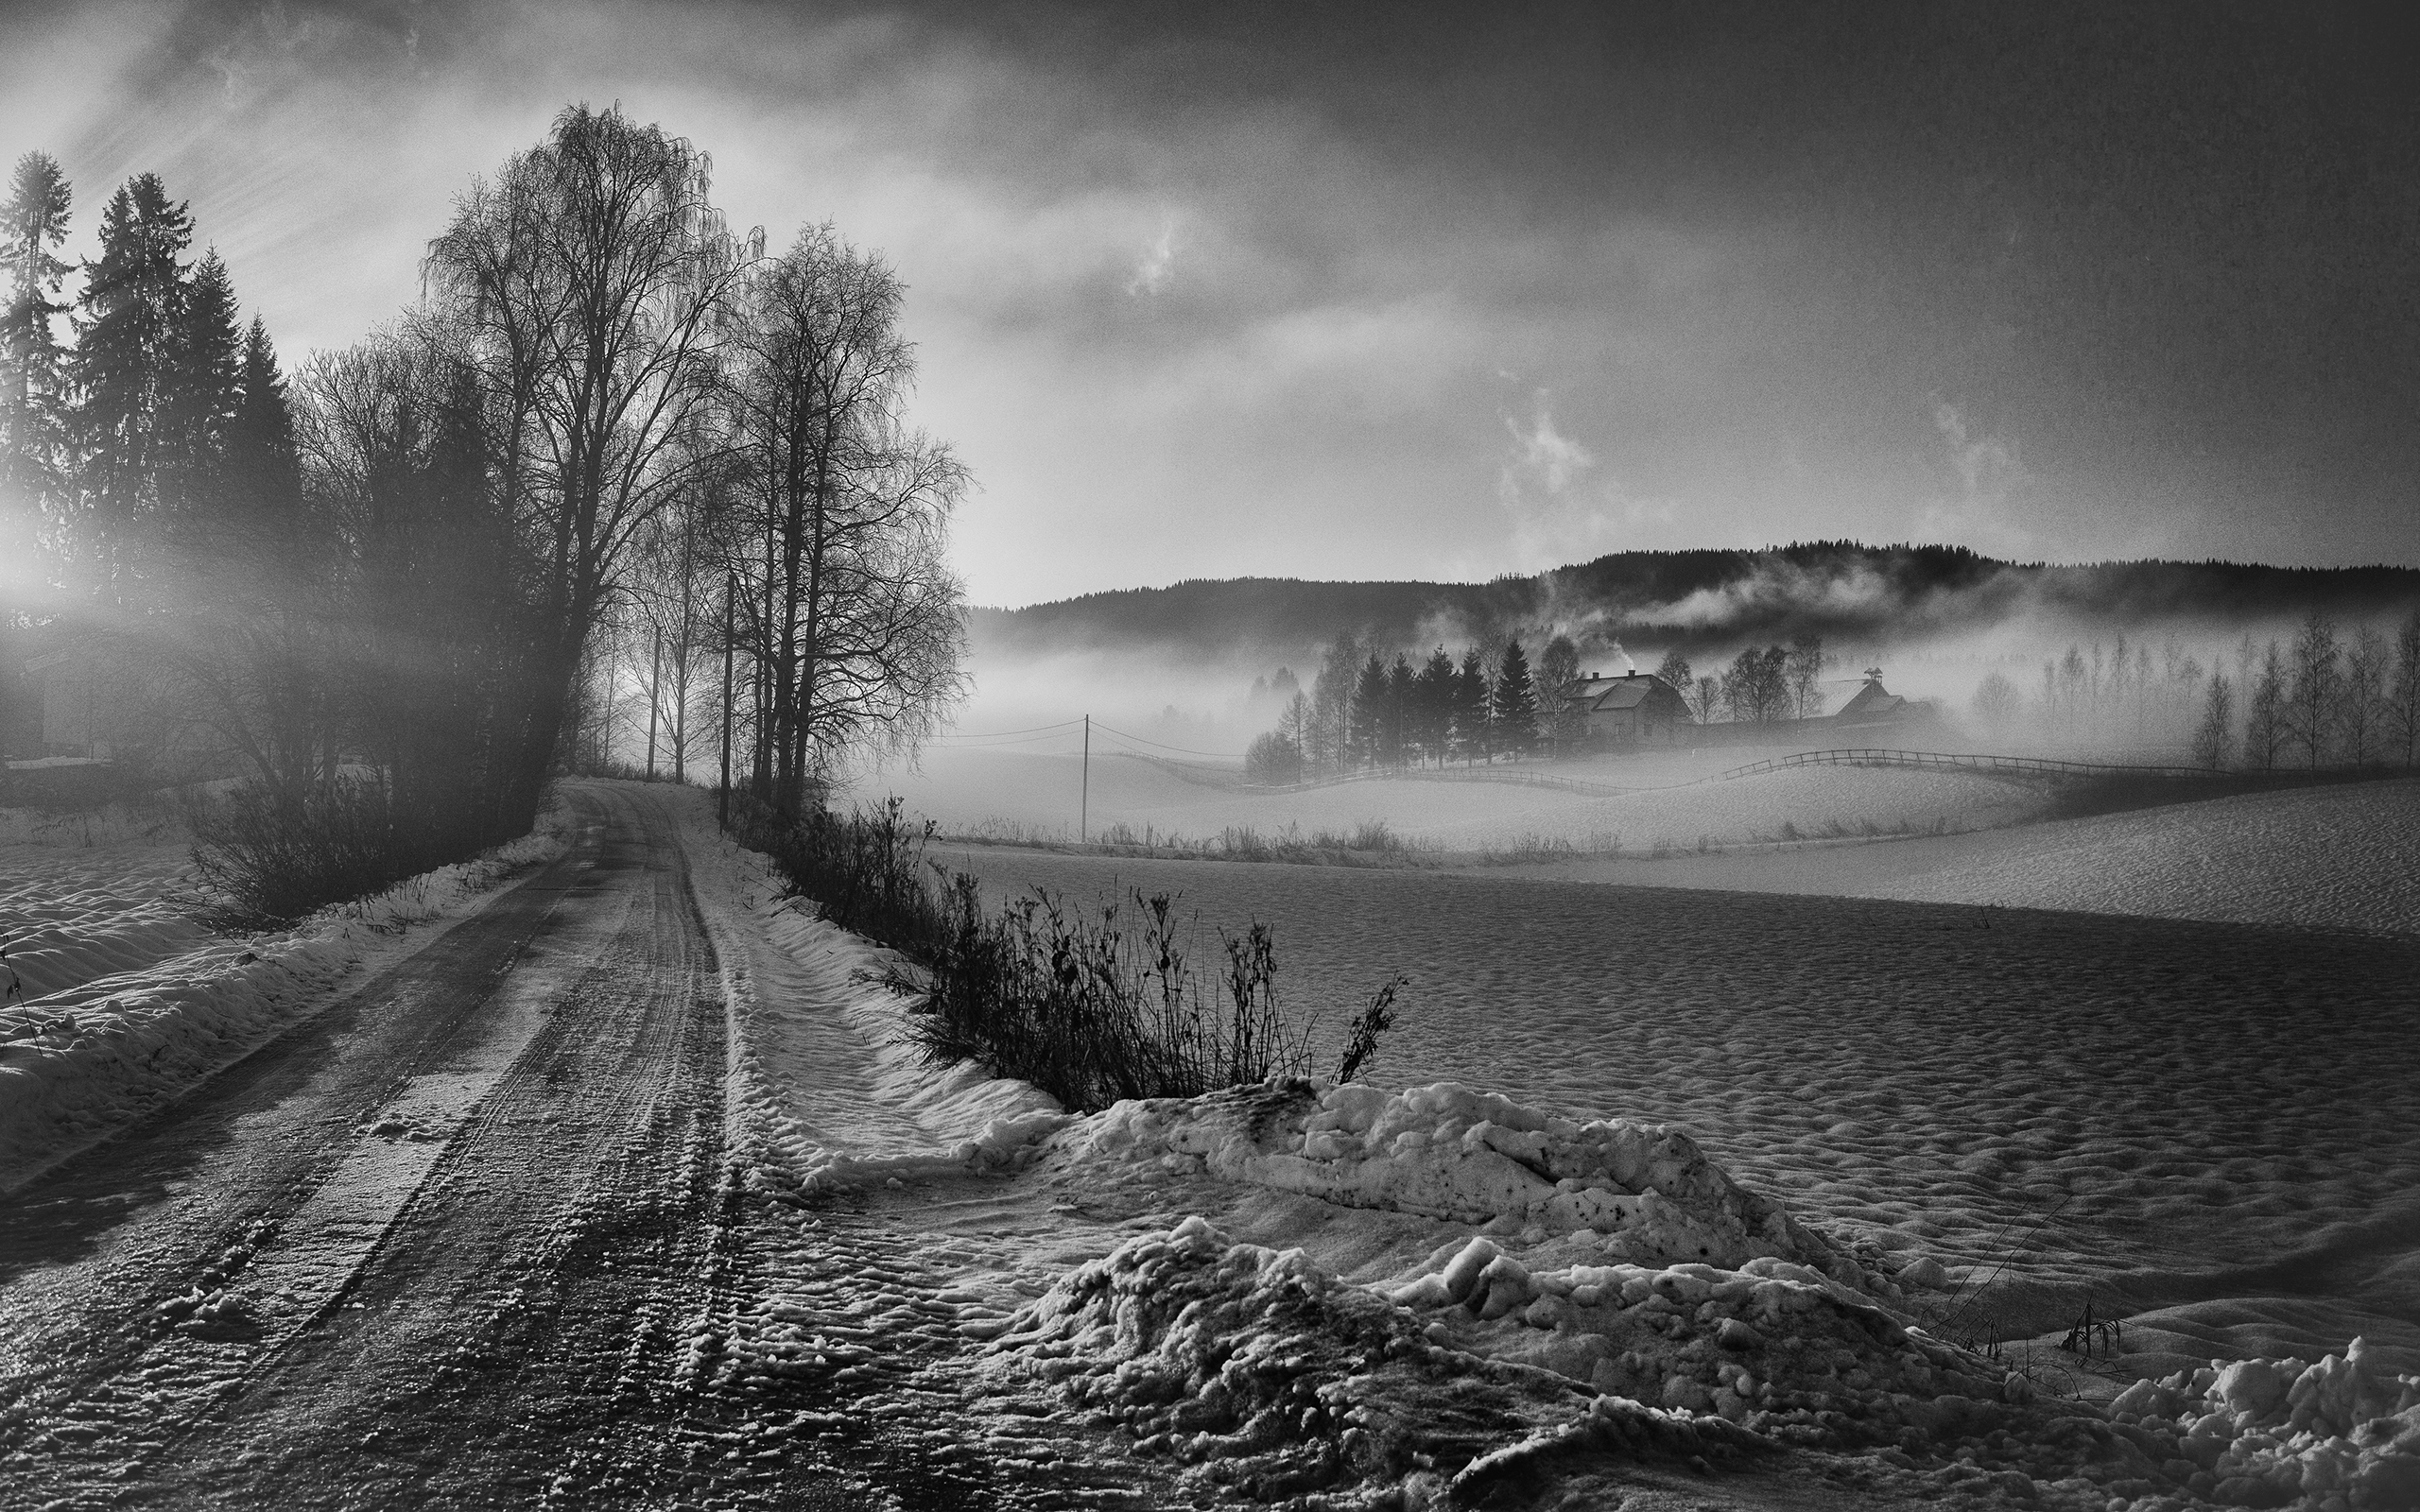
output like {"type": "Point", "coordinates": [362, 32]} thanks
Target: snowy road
{"type": "Point", "coordinates": [468, 1237]}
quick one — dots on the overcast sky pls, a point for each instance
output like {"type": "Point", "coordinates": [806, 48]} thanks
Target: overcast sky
{"type": "Point", "coordinates": [1440, 292]}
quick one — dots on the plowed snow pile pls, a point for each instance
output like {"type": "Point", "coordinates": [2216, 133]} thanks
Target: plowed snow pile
{"type": "Point", "coordinates": [1600, 1287]}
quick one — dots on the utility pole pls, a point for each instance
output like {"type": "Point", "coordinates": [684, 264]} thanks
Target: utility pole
{"type": "Point", "coordinates": [722, 800]}
{"type": "Point", "coordinates": [1085, 813]}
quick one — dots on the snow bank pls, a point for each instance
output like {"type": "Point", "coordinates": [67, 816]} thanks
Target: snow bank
{"type": "Point", "coordinates": [979, 1121]}
{"type": "Point", "coordinates": [1260, 1370]}
{"type": "Point", "coordinates": [825, 1089]}
{"type": "Point", "coordinates": [1623, 1192]}
{"type": "Point", "coordinates": [2338, 1434]}
{"type": "Point", "coordinates": [78, 1064]}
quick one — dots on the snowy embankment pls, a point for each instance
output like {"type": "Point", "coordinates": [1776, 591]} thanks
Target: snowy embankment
{"type": "Point", "coordinates": [824, 1090]}
{"type": "Point", "coordinates": [81, 1062]}
{"type": "Point", "coordinates": [1353, 1296]}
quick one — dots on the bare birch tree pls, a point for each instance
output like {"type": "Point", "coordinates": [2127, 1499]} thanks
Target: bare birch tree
{"type": "Point", "coordinates": [590, 284]}
{"type": "Point", "coordinates": [859, 620]}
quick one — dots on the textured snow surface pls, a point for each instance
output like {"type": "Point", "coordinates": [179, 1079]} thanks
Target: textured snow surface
{"type": "Point", "coordinates": [1263, 1372]}
{"type": "Point", "coordinates": [2139, 1102]}
{"type": "Point", "coordinates": [71, 912]}
{"type": "Point", "coordinates": [2328, 857]}
{"type": "Point", "coordinates": [2345, 858]}
{"type": "Point", "coordinates": [84, 1061]}
{"type": "Point", "coordinates": [1363, 1296]}
{"type": "Point", "coordinates": [2341, 1432]}
{"type": "Point", "coordinates": [1635, 1192]}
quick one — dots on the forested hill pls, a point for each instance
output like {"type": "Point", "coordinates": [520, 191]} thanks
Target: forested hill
{"type": "Point", "coordinates": [1841, 589]}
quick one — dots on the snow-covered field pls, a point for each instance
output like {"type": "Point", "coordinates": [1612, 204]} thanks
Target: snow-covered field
{"type": "Point", "coordinates": [2323, 857]}
{"type": "Point", "coordinates": [1651, 1179]}
{"type": "Point", "coordinates": [1416, 1289]}
{"type": "Point", "coordinates": [968, 790]}
{"type": "Point", "coordinates": [126, 1003]}
{"type": "Point", "coordinates": [84, 896]}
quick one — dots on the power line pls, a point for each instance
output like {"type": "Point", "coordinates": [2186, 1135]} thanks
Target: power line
{"type": "Point", "coordinates": [988, 734]}
{"type": "Point", "coordinates": [945, 743]}
{"type": "Point", "coordinates": [1214, 755]}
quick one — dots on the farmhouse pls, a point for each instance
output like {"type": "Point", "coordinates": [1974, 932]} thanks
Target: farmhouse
{"type": "Point", "coordinates": [1635, 708]}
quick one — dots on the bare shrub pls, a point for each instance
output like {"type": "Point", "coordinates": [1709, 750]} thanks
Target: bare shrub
{"type": "Point", "coordinates": [263, 864]}
{"type": "Point", "coordinates": [1089, 1007]}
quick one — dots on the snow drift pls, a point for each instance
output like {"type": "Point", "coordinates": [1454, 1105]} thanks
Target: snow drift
{"type": "Point", "coordinates": [80, 1064]}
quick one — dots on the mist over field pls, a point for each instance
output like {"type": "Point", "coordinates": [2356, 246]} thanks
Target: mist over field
{"type": "Point", "coordinates": [1178, 664]}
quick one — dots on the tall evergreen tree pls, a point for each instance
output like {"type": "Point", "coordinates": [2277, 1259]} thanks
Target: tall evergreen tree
{"type": "Point", "coordinates": [201, 391]}
{"type": "Point", "coordinates": [262, 478]}
{"type": "Point", "coordinates": [1369, 717]}
{"type": "Point", "coordinates": [126, 326]}
{"type": "Point", "coordinates": [1515, 711]}
{"type": "Point", "coordinates": [1434, 690]}
{"type": "Point", "coordinates": [1471, 727]}
{"type": "Point", "coordinates": [1395, 738]}
{"type": "Point", "coordinates": [33, 225]}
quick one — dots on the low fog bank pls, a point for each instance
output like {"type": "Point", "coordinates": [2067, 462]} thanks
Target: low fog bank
{"type": "Point", "coordinates": [2113, 659]}
{"type": "Point", "coordinates": [2034, 686]}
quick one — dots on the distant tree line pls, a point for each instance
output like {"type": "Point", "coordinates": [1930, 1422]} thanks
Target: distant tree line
{"type": "Point", "coordinates": [615, 447]}
{"type": "Point", "coordinates": [2327, 697]}
{"type": "Point", "coordinates": [1367, 712]}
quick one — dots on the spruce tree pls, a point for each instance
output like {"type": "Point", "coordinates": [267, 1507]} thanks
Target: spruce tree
{"type": "Point", "coordinates": [126, 324]}
{"type": "Point", "coordinates": [200, 389]}
{"type": "Point", "coordinates": [1515, 711]}
{"type": "Point", "coordinates": [1395, 739]}
{"type": "Point", "coordinates": [33, 225]}
{"type": "Point", "coordinates": [263, 477]}
{"type": "Point", "coordinates": [1470, 708]}
{"type": "Point", "coordinates": [1368, 718]}
{"type": "Point", "coordinates": [1434, 698]}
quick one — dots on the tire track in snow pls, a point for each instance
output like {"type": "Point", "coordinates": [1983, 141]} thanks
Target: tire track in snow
{"type": "Point", "coordinates": [562, 1293]}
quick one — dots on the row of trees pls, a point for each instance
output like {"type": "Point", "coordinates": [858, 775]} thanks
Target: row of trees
{"type": "Point", "coordinates": [2326, 697]}
{"type": "Point", "coordinates": [1365, 712]}
{"type": "Point", "coordinates": [1761, 685]}
{"type": "Point", "coordinates": [612, 431]}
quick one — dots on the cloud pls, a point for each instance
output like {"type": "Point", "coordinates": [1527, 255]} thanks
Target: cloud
{"type": "Point", "coordinates": [1158, 264]}
{"type": "Point", "coordinates": [1564, 508]}
{"type": "Point", "coordinates": [1990, 474]}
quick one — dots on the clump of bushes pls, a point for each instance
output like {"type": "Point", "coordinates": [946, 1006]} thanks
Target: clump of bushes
{"type": "Point", "coordinates": [264, 863]}
{"type": "Point", "coordinates": [1092, 1011]}
{"type": "Point", "coordinates": [866, 872]}
{"type": "Point", "coordinates": [265, 858]}
{"type": "Point", "coordinates": [1273, 761]}
{"type": "Point", "coordinates": [1090, 1006]}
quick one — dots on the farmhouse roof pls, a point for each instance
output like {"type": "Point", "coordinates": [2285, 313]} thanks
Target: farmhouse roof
{"type": "Point", "coordinates": [1872, 700]}
{"type": "Point", "coordinates": [1604, 694]}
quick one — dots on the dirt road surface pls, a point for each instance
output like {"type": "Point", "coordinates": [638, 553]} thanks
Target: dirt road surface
{"type": "Point", "coordinates": [468, 1237]}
